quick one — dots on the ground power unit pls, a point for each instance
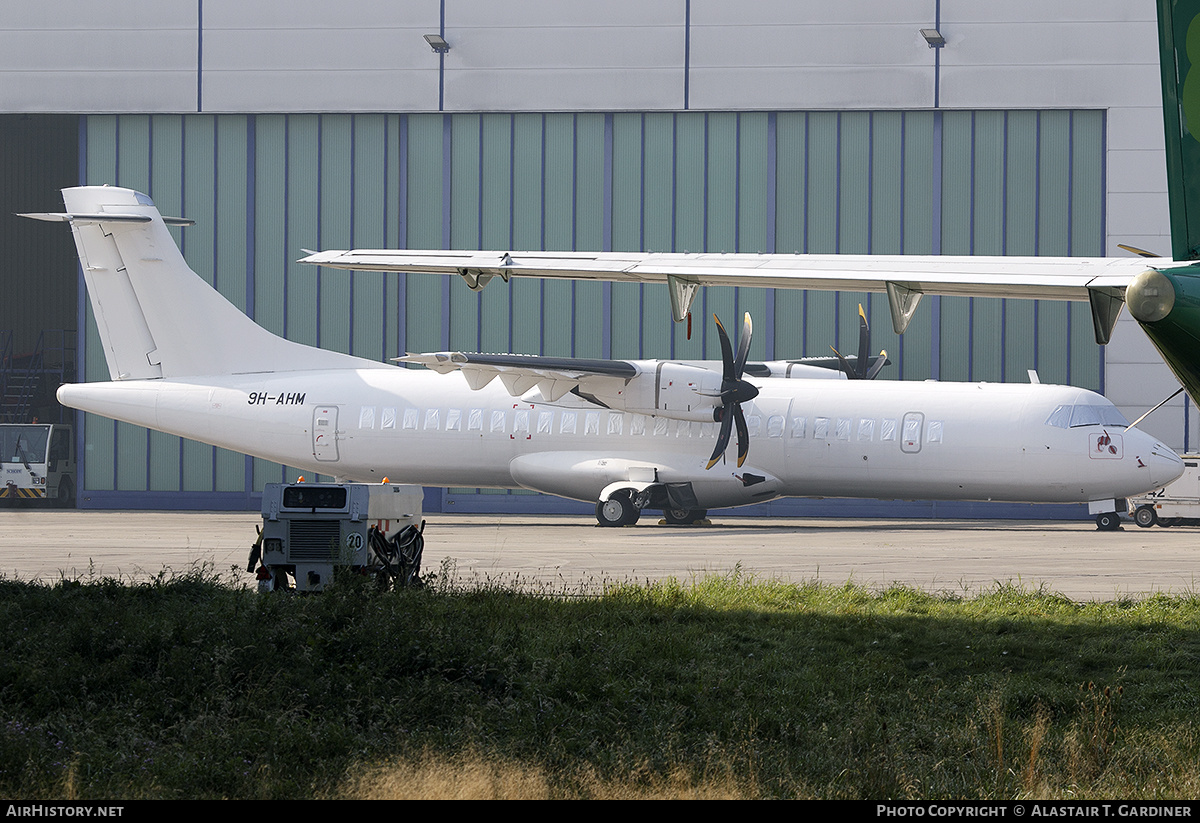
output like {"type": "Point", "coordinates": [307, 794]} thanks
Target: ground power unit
{"type": "Point", "coordinates": [311, 529]}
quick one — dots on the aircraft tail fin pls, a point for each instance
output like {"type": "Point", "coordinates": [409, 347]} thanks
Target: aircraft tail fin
{"type": "Point", "coordinates": [157, 317]}
{"type": "Point", "coordinates": [1179, 27]}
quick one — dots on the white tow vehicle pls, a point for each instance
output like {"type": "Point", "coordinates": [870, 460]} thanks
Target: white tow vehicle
{"type": "Point", "coordinates": [1176, 504]}
{"type": "Point", "coordinates": [37, 462]}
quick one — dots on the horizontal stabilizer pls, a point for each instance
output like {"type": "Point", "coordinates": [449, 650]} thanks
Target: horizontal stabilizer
{"type": "Point", "coordinates": [63, 217]}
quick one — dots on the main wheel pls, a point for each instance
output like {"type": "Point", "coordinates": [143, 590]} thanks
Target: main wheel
{"type": "Point", "coordinates": [1145, 516]}
{"type": "Point", "coordinates": [684, 517]}
{"type": "Point", "coordinates": [1108, 521]}
{"type": "Point", "coordinates": [617, 510]}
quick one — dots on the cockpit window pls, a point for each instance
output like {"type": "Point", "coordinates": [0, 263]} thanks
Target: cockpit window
{"type": "Point", "coordinates": [1083, 415]}
{"type": "Point", "coordinates": [1109, 416]}
{"type": "Point", "coordinates": [1086, 414]}
{"type": "Point", "coordinates": [1060, 417]}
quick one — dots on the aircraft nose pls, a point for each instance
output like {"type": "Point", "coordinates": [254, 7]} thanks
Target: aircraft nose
{"type": "Point", "coordinates": [1165, 466]}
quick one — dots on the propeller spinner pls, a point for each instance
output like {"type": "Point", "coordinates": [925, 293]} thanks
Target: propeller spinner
{"type": "Point", "coordinates": [734, 392]}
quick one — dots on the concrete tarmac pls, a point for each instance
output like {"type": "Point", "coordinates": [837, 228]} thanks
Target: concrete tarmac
{"type": "Point", "coordinates": [569, 553]}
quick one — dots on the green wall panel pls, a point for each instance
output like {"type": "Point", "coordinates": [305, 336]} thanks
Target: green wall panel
{"type": "Point", "coordinates": [887, 182]}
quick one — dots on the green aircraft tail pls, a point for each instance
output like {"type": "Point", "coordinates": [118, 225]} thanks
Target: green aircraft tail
{"type": "Point", "coordinates": [1179, 52]}
{"type": "Point", "coordinates": [1166, 301]}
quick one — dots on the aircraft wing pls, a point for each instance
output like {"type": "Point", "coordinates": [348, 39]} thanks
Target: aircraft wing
{"type": "Point", "coordinates": [1099, 280]}
{"type": "Point", "coordinates": [520, 373]}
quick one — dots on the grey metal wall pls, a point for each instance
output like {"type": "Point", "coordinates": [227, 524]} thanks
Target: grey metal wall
{"type": "Point", "coordinates": [264, 186]}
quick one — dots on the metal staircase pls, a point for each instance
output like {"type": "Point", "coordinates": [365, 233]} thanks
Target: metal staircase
{"type": "Point", "coordinates": [29, 380]}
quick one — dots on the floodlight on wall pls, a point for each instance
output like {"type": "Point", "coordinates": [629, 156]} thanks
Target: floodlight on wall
{"type": "Point", "coordinates": [934, 38]}
{"type": "Point", "coordinates": [437, 43]}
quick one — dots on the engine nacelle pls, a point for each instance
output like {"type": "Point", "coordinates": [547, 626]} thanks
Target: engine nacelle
{"type": "Point", "coordinates": [666, 388]}
{"type": "Point", "coordinates": [797, 370]}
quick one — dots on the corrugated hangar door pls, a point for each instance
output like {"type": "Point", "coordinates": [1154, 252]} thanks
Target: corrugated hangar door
{"type": "Point", "coordinates": [39, 156]}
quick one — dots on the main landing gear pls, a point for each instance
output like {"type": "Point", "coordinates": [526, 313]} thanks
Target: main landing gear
{"type": "Point", "coordinates": [684, 517]}
{"type": "Point", "coordinates": [1108, 521]}
{"type": "Point", "coordinates": [617, 510]}
{"type": "Point", "coordinates": [625, 506]}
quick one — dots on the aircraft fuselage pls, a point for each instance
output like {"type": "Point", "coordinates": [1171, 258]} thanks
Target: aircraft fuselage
{"type": "Point", "coordinates": [810, 438]}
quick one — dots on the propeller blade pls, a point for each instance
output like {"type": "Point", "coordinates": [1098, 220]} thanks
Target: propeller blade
{"type": "Point", "coordinates": [743, 346]}
{"type": "Point", "coordinates": [734, 392]}
{"type": "Point", "coordinates": [863, 368]}
{"type": "Point", "coordinates": [846, 368]}
{"type": "Point", "coordinates": [877, 365]}
{"type": "Point", "coordinates": [726, 352]}
{"type": "Point", "coordinates": [722, 440]}
{"type": "Point", "coordinates": [1137, 251]}
{"type": "Point", "coordinates": [864, 344]}
{"type": "Point", "coordinates": [743, 434]}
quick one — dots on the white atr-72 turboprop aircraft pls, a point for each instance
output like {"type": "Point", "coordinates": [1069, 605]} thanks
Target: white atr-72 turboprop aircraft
{"type": "Point", "coordinates": [627, 435]}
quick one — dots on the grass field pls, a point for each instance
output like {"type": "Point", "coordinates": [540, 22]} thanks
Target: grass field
{"type": "Point", "coordinates": [727, 686]}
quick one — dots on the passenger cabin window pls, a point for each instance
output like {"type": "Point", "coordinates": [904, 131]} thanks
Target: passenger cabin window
{"type": "Point", "coordinates": [775, 426]}
{"type": "Point", "coordinates": [799, 424]}
{"type": "Point", "coordinates": [616, 422]}
{"type": "Point", "coordinates": [566, 424]}
{"type": "Point", "coordinates": [820, 428]}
